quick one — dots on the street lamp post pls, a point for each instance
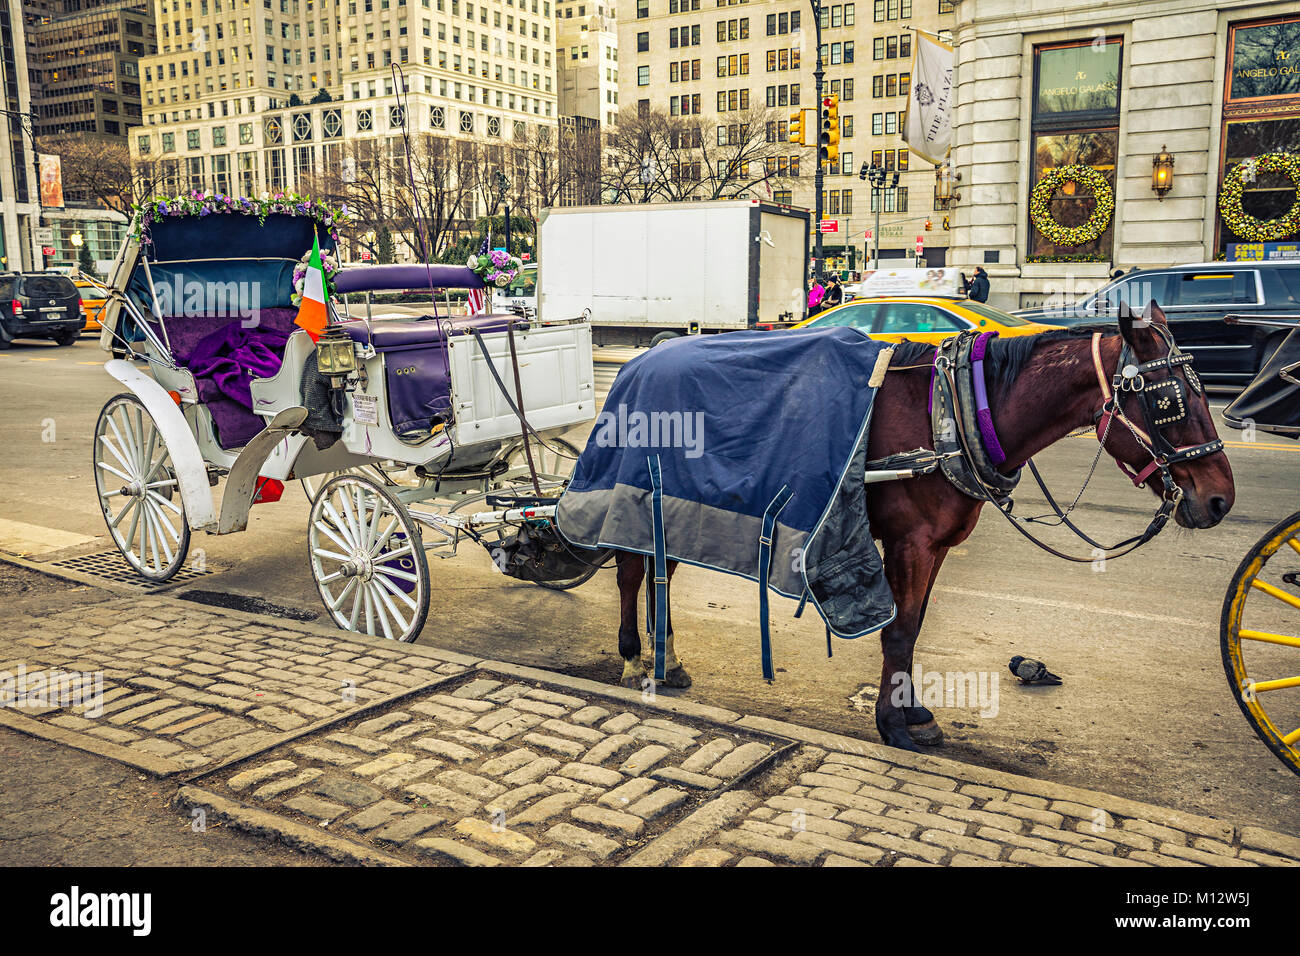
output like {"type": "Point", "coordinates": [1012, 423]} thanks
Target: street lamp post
{"type": "Point", "coordinates": [877, 176]}
{"type": "Point", "coordinates": [503, 190]}
{"type": "Point", "coordinates": [819, 177]}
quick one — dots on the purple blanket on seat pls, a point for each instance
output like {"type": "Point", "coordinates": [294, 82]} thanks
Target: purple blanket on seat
{"type": "Point", "coordinates": [224, 362]}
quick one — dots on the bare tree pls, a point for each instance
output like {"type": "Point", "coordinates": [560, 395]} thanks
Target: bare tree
{"type": "Point", "coordinates": [654, 157]}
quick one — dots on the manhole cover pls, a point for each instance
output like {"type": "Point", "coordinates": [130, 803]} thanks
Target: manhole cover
{"type": "Point", "coordinates": [111, 566]}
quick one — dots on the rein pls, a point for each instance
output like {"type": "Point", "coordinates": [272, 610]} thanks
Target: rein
{"type": "Point", "coordinates": [1171, 407]}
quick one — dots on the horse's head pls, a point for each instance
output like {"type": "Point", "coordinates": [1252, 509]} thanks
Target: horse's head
{"type": "Point", "coordinates": [1165, 436]}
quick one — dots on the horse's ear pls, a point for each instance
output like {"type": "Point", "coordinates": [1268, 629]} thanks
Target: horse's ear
{"type": "Point", "coordinates": [1126, 325]}
{"type": "Point", "coordinates": [1153, 313]}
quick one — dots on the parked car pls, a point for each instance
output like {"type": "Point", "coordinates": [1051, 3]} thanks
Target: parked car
{"type": "Point", "coordinates": [1196, 298]}
{"type": "Point", "coordinates": [92, 304]}
{"type": "Point", "coordinates": [39, 305]}
{"type": "Point", "coordinates": [921, 318]}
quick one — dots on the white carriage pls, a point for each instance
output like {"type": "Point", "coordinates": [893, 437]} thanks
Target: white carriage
{"type": "Point", "coordinates": [408, 435]}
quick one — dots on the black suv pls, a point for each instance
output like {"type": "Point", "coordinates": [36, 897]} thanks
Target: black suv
{"type": "Point", "coordinates": [1196, 298]}
{"type": "Point", "coordinates": [39, 305]}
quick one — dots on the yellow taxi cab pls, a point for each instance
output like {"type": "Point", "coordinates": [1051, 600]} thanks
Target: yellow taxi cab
{"type": "Point", "coordinates": [922, 305]}
{"type": "Point", "coordinates": [92, 304]}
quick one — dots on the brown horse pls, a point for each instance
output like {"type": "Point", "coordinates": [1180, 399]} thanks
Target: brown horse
{"type": "Point", "coordinates": [1041, 388]}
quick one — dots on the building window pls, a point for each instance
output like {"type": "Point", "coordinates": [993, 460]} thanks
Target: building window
{"type": "Point", "coordinates": [1259, 115]}
{"type": "Point", "coordinates": [643, 76]}
{"type": "Point", "coordinates": [1075, 121]}
{"type": "Point", "coordinates": [437, 117]}
{"type": "Point", "coordinates": [642, 9]}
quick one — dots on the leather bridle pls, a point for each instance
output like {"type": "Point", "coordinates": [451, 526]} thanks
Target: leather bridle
{"type": "Point", "coordinates": [1163, 405]}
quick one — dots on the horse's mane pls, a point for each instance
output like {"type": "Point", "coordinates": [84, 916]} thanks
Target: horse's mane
{"type": "Point", "coordinates": [1005, 358]}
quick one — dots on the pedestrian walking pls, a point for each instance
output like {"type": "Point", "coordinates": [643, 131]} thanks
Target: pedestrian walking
{"type": "Point", "coordinates": [816, 291]}
{"type": "Point", "coordinates": [978, 288]}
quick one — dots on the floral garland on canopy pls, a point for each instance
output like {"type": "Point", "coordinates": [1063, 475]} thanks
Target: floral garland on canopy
{"type": "Point", "coordinates": [1040, 199]}
{"type": "Point", "coordinates": [200, 204]}
{"type": "Point", "coordinates": [1241, 222]}
{"type": "Point", "coordinates": [496, 268]}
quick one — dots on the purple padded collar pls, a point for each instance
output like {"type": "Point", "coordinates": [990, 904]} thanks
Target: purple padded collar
{"type": "Point", "coordinates": [982, 413]}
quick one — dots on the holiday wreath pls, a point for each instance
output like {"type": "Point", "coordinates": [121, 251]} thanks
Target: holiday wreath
{"type": "Point", "coordinates": [1241, 222]}
{"type": "Point", "coordinates": [1040, 199]}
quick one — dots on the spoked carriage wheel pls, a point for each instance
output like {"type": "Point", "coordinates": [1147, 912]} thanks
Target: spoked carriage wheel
{"type": "Point", "coordinates": [554, 461]}
{"type": "Point", "coordinates": [138, 491]}
{"type": "Point", "coordinates": [1261, 652]}
{"type": "Point", "coordinates": [367, 559]}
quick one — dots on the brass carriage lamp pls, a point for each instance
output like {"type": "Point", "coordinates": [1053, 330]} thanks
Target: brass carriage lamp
{"type": "Point", "coordinates": [335, 356]}
{"type": "Point", "coordinates": [1162, 173]}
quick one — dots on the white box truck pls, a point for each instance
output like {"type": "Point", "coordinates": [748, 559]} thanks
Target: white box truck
{"type": "Point", "coordinates": [651, 271]}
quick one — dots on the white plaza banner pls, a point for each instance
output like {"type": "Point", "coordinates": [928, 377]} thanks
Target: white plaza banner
{"type": "Point", "coordinates": [927, 129]}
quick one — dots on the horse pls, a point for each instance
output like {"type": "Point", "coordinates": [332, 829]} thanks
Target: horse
{"type": "Point", "coordinates": [1041, 388]}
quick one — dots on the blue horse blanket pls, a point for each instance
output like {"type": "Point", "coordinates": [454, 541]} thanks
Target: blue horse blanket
{"type": "Point", "coordinates": [743, 427]}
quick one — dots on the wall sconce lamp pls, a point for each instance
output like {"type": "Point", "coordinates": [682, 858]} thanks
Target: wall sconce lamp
{"type": "Point", "coordinates": [1162, 173]}
{"type": "Point", "coordinates": [945, 186]}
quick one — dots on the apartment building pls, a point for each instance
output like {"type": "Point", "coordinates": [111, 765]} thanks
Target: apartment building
{"type": "Point", "coordinates": [83, 63]}
{"type": "Point", "coordinates": [248, 96]}
{"type": "Point", "coordinates": [719, 57]}
{"type": "Point", "coordinates": [587, 59]}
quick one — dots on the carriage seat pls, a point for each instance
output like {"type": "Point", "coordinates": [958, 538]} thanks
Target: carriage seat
{"type": "Point", "coordinates": [389, 335]}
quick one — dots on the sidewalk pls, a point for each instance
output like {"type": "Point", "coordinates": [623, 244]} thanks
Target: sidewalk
{"type": "Point", "coordinates": [357, 750]}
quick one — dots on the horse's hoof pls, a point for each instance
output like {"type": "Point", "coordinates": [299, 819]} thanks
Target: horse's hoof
{"type": "Point", "coordinates": [893, 737]}
{"type": "Point", "coordinates": [677, 677]}
{"type": "Point", "coordinates": [630, 681]}
{"type": "Point", "coordinates": [928, 734]}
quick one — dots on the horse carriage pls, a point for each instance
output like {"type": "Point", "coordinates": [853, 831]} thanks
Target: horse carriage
{"type": "Point", "coordinates": [408, 434]}
{"type": "Point", "coordinates": [1255, 635]}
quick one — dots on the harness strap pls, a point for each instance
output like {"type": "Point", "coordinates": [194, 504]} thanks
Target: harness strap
{"type": "Point", "coordinates": [660, 567]}
{"type": "Point", "coordinates": [764, 564]}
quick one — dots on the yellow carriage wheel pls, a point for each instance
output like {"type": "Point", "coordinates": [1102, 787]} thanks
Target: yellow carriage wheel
{"type": "Point", "coordinates": [1259, 634]}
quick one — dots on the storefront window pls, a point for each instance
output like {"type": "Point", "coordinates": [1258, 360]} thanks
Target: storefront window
{"type": "Point", "coordinates": [1075, 123]}
{"type": "Point", "coordinates": [1259, 120]}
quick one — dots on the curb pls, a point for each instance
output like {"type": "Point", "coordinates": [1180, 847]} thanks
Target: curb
{"type": "Point", "coordinates": [275, 828]}
{"type": "Point", "coordinates": [156, 766]}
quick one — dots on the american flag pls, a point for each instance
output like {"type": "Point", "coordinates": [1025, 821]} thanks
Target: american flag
{"type": "Point", "coordinates": [478, 298]}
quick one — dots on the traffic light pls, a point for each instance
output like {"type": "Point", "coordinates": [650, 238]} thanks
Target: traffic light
{"type": "Point", "coordinates": [796, 128]}
{"type": "Point", "coordinates": [828, 141]}
{"type": "Point", "coordinates": [928, 225]}
{"type": "Point", "coordinates": [945, 222]}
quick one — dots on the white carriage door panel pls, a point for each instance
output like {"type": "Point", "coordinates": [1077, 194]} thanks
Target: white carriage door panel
{"type": "Point", "coordinates": [781, 268]}
{"type": "Point", "coordinates": [555, 373]}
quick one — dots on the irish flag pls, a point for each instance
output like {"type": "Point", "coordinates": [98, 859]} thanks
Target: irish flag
{"type": "Point", "coordinates": [311, 311]}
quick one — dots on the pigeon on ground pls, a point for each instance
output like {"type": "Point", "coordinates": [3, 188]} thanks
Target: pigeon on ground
{"type": "Point", "coordinates": [1031, 671]}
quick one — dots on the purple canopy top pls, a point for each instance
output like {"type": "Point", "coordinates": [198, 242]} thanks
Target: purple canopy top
{"type": "Point", "coordinates": [401, 277]}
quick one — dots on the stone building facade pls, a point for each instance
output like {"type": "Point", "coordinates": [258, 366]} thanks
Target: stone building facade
{"type": "Point", "coordinates": [723, 57]}
{"type": "Point", "coordinates": [19, 205]}
{"type": "Point", "coordinates": [1111, 88]}
{"type": "Point", "coordinates": [587, 60]}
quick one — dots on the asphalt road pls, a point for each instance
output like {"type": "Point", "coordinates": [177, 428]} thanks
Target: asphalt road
{"type": "Point", "coordinates": [1145, 711]}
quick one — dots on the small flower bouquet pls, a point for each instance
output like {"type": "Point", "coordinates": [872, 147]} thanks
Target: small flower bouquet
{"type": "Point", "coordinates": [496, 268]}
{"type": "Point", "coordinates": [329, 262]}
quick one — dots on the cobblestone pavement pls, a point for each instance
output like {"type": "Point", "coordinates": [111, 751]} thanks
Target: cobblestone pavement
{"type": "Point", "coordinates": [191, 686]}
{"type": "Point", "coordinates": [356, 750]}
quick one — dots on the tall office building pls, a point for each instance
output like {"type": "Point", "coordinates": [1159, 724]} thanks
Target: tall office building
{"type": "Point", "coordinates": [19, 204]}
{"type": "Point", "coordinates": [730, 58]}
{"type": "Point", "coordinates": [587, 58]}
{"type": "Point", "coordinates": [83, 63]}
